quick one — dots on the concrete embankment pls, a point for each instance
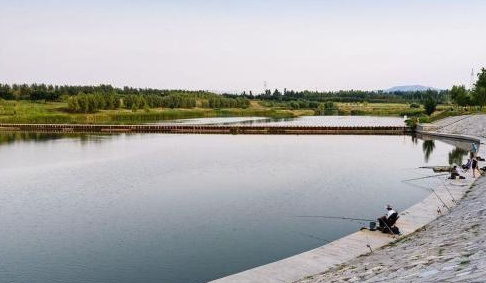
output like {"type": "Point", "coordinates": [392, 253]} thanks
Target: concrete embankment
{"type": "Point", "coordinates": [209, 129]}
{"type": "Point", "coordinates": [451, 248]}
{"type": "Point", "coordinates": [339, 261]}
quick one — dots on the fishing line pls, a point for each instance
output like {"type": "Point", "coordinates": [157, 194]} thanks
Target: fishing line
{"type": "Point", "coordinates": [447, 189]}
{"type": "Point", "coordinates": [332, 217]}
{"type": "Point", "coordinates": [429, 189]}
{"type": "Point", "coordinates": [425, 177]}
{"type": "Point", "coordinates": [431, 176]}
{"type": "Point", "coordinates": [432, 167]}
{"type": "Point", "coordinates": [314, 237]}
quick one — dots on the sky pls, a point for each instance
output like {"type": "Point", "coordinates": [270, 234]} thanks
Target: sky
{"type": "Point", "coordinates": [238, 45]}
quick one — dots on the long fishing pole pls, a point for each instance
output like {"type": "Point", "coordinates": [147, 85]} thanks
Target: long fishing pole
{"type": "Point", "coordinates": [333, 217]}
{"type": "Point", "coordinates": [447, 189]}
{"type": "Point", "coordinates": [368, 245]}
{"type": "Point", "coordinates": [431, 176]}
{"type": "Point", "coordinates": [432, 167]}
{"type": "Point", "coordinates": [429, 189]}
{"type": "Point", "coordinates": [420, 178]}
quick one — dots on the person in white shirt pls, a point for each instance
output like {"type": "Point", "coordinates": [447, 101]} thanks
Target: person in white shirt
{"type": "Point", "coordinates": [390, 211]}
{"type": "Point", "coordinates": [388, 220]}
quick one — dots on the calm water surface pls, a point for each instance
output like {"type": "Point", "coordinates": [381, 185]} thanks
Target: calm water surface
{"type": "Point", "coordinates": [299, 121]}
{"type": "Point", "coordinates": [190, 208]}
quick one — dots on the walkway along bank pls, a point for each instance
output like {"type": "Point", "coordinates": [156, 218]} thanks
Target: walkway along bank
{"type": "Point", "coordinates": [209, 129]}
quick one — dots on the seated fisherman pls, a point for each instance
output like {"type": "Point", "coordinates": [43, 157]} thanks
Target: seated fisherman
{"type": "Point", "coordinates": [467, 166]}
{"type": "Point", "coordinates": [455, 173]}
{"type": "Point", "coordinates": [387, 222]}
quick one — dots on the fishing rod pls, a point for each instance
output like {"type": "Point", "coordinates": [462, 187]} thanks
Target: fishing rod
{"type": "Point", "coordinates": [333, 217]}
{"type": "Point", "coordinates": [432, 167]}
{"type": "Point", "coordinates": [429, 189]}
{"type": "Point", "coordinates": [431, 176]}
{"type": "Point", "coordinates": [337, 217]}
{"type": "Point", "coordinates": [447, 189]}
{"type": "Point", "coordinates": [425, 177]}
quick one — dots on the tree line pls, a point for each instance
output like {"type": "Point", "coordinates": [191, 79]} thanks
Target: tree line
{"type": "Point", "coordinates": [440, 96]}
{"type": "Point", "coordinates": [89, 99]}
{"type": "Point", "coordinates": [93, 102]}
{"type": "Point", "coordinates": [57, 92]}
{"type": "Point", "coordinates": [474, 97]}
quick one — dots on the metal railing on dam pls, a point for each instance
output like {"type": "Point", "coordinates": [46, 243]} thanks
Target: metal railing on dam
{"type": "Point", "coordinates": [209, 129]}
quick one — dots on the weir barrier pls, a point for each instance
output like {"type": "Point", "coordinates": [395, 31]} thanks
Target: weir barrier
{"type": "Point", "coordinates": [210, 129]}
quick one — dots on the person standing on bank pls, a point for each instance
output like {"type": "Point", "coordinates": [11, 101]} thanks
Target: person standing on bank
{"type": "Point", "coordinates": [474, 166]}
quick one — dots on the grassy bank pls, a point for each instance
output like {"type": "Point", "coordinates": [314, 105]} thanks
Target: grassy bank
{"type": "Point", "coordinates": [56, 112]}
{"type": "Point", "coordinates": [384, 109]}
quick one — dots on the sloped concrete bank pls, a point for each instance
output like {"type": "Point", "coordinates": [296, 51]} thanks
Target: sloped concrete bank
{"type": "Point", "coordinates": [341, 261]}
{"type": "Point", "coordinates": [451, 248]}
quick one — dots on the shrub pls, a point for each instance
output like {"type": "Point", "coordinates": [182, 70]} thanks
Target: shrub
{"type": "Point", "coordinates": [430, 104]}
{"type": "Point", "coordinates": [327, 108]}
{"type": "Point", "coordinates": [358, 112]}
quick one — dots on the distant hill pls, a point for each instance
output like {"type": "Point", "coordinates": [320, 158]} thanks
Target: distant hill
{"type": "Point", "coordinates": [405, 88]}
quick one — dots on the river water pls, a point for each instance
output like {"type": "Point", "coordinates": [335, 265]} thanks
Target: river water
{"type": "Point", "coordinates": [191, 208]}
{"type": "Point", "coordinates": [340, 121]}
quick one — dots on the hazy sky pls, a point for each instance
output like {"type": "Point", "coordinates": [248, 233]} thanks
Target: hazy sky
{"type": "Point", "coordinates": [237, 45]}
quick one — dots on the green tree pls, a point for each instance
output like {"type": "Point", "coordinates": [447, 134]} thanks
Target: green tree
{"type": "Point", "coordinates": [83, 103]}
{"type": "Point", "coordinates": [327, 108]}
{"type": "Point", "coordinates": [134, 107]}
{"type": "Point", "coordinates": [277, 95]}
{"type": "Point", "coordinates": [73, 104]}
{"type": "Point", "coordinates": [479, 93]}
{"type": "Point", "coordinates": [460, 95]}
{"type": "Point", "coordinates": [430, 104]}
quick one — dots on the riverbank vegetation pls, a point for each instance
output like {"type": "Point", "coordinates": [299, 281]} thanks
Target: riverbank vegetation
{"type": "Point", "coordinates": [25, 111]}
{"type": "Point", "coordinates": [40, 103]}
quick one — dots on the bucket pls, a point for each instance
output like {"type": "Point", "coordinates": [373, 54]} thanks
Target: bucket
{"type": "Point", "coordinates": [372, 226]}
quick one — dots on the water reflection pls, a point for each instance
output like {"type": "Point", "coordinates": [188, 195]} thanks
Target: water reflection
{"type": "Point", "coordinates": [428, 147]}
{"type": "Point", "coordinates": [247, 121]}
{"type": "Point", "coordinates": [456, 156]}
{"type": "Point", "coordinates": [332, 121]}
{"type": "Point", "coordinates": [16, 137]}
{"type": "Point", "coordinates": [415, 139]}
{"type": "Point", "coordinates": [13, 137]}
